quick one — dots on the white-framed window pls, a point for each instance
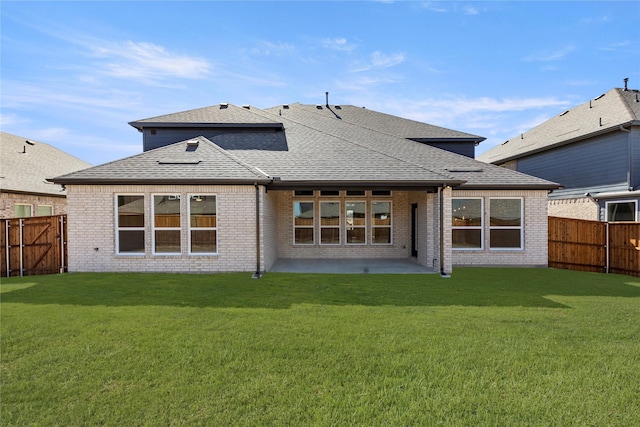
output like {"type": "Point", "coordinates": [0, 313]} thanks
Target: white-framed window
{"type": "Point", "coordinates": [329, 223]}
{"type": "Point", "coordinates": [22, 210]}
{"type": "Point", "coordinates": [505, 223]}
{"type": "Point", "coordinates": [129, 216]}
{"type": "Point", "coordinates": [45, 210]}
{"type": "Point", "coordinates": [166, 224]}
{"type": "Point", "coordinates": [622, 210]}
{"type": "Point", "coordinates": [303, 223]}
{"type": "Point", "coordinates": [467, 223]}
{"type": "Point", "coordinates": [203, 224]}
{"type": "Point", "coordinates": [356, 223]}
{"type": "Point", "coordinates": [381, 225]}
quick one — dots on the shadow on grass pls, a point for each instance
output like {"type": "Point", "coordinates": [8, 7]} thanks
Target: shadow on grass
{"type": "Point", "coordinates": [467, 287]}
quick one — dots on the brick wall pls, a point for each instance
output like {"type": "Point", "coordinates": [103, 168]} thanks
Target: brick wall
{"type": "Point", "coordinates": [580, 208]}
{"type": "Point", "coordinates": [8, 200]}
{"type": "Point", "coordinates": [91, 211]}
{"type": "Point", "coordinates": [535, 232]}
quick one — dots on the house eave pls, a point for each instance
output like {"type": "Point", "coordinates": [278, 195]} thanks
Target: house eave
{"type": "Point", "coordinates": [359, 184]}
{"type": "Point", "coordinates": [164, 181]}
{"type": "Point", "coordinates": [565, 142]}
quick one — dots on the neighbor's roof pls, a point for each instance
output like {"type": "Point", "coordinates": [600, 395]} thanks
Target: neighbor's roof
{"type": "Point", "coordinates": [25, 165]}
{"type": "Point", "coordinates": [313, 149]}
{"type": "Point", "coordinates": [221, 115]}
{"type": "Point", "coordinates": [603, 114]}
{"type": "Point", "coordinates": [381, 122]}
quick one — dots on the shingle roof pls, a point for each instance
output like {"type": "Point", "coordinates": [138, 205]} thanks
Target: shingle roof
{"type": "Point", "coordinates": [603, 114]}
{"type": "Point", "coordinates": [25, 164]}
{"type": "Point", "coordinates": [221, 115]}
{"type": "Point", "coordinates": [381, 122]}
{"type": "Point", "coordinates": [313, 149]}
{"type": "Point", "coordinates": [195, 161]}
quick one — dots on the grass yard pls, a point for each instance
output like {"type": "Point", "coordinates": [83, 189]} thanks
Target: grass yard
{"type": "Point", "coordinates": [485, 347]}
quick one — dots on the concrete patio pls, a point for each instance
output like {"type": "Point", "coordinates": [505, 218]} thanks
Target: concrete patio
{"type": "Point", "coordinates": [350, 266]}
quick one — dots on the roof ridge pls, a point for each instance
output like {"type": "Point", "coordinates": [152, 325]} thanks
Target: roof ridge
{"type": "Point", "coordinates": [253, 169]}
{"type": "Point", "coordinates": [447, 176]}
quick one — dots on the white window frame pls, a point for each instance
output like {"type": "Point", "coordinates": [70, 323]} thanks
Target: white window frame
{"type": "Point", "coordinates": [154, 228]}
{"type": "Point", "coordinates": [613, 202]}
{"type": "Point", "coordinates": [190, 228]}
{"type": "Point", "coordinates": [312, 226]}
{"type": "Point", "coordinates": [44, 206]}
{"type": "Point", "coordinates": [118, 228]}
{"type": "Point", "coordinates": [347, 225]}
{"type": "Point", "coordinates": [23, 204]}
{"type": "Point", "coordinates": [390, 226]}
{"type": "Point", "coordinates": [507, 227]}
{"type": "Point", "coordinates": [474, 227]}
{"type": "Point", "coordinates": [338, 227]}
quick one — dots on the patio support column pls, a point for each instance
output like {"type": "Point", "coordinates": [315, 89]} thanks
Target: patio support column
{"type": "Point", "coordinates": [258, 273]}
{"type": "Point", "coordinates": [446, 261]}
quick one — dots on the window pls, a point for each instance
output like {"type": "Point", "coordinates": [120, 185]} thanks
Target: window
{"type": "Point", "coordinates": [624, 210]}
{"type": "Point", "coordinates": [22, 211]}
{"type": "Point", "coordinates": [203, 224]}
{"type": "Point", "coordinates": [45, 210]}
{"type": "Point", "coordinates": [356, 223]}
{"type": "Point", "coordinates": [329, 223]}
{"type": "Point", "coordinates": [166, 224]}
{"type": "Point", "coordinates": [329, 193]}
{"type": "Point", "coordinates": [381, 223]}
{"type": "Point", "coordinates": [303, 193]}
{"type": "Point", "coordinates": [505, 223]}
{"type": "Point", "coordinates": [380, 193]}
{"type": "Point", "coordinates": [130, 224]}
{"type": "Point", "coordinates": [466, 223]}
{"type": "Point", "coordinates": [303, 222]}
{"type": "Point", "coordinates": [355, 193]}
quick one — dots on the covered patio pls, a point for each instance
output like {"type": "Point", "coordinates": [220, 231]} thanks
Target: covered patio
{"type": "Point", "coordinates": [350, 266]}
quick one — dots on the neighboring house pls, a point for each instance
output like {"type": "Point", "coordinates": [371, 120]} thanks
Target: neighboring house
{"type": "Point", "coordinates": [25, 165]}
{"type": "Point", "coordinates": [229, 188]}
{"type": "Point", "coordinates": [592, 150]}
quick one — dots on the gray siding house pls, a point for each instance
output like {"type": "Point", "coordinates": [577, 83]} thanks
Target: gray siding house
{"type": "Point", "coordinates": [238, 188]}
{"type": "Point", "coordinates": [592, 150]}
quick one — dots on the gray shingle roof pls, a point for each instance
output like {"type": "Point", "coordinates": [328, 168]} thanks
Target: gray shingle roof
{"type": "Point", "coordinates": [381, 122]}
{"type": "Point", "coordinates": [25, 166]}
{"type": "Point", "coordinates": [221, 115]}
{"type": "Point", "coordinates": [600, 115]}
{"type": "Point", "coordinates": [195, 161]}
{"type": "Point", "coordinates": [313, 149]}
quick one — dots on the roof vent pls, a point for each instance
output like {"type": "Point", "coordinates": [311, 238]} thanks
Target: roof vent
{"type": "Point", "coordinates": [246, 106]}
{"type": "Point", "coordinates": [319, 107]}
{"type": "Point", "coordinates": [562, 114]}
{"type": "Point", "coordinates": [626, 81]}
{"type": "Point", "coordinates": [285, 106]}
{"type": "Point", "coordinates": [224, 105]}
{"type": "Point", "coordinates": [193, 143]}
{"type": "Point", "coordinates": [338, 107]}
{"type": "Point", "coordinates": [595, 99]}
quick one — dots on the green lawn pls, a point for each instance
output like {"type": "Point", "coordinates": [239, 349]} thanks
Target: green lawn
{"type": "Point", "coordinates": [498, 347]}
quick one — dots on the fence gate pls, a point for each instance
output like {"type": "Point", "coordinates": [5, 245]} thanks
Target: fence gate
{"type": "Point", "coordinates": [32, 246]}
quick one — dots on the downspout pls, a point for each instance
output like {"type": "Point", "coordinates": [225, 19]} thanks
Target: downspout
{"type": "Point", "coordinates": [441, 196]}
{"type": "Point", "coordinates": [258, 273]}
{"type": "Point", "coordinates": [630, 158]}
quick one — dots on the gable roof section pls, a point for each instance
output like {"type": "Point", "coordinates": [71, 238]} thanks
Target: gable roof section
{"type": "Point", "coordinates": [314, 150]}
{"type": "Point", "coordinates": [605, 113]}
{"type": "Point", "coordinates": [222, 115]}
{"type": "Point", "coordinates": [381, 122]}
{"type": "Point", "coordinates": [25, 165]}
{"type": "Point", "coordinates": [195, 161]}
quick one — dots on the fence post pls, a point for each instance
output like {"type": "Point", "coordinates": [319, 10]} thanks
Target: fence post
{"type": "Point", "coordinates": [607, 246]}
{"type": "Point", "coordinates": [62, 243]}
{"type": "Point", "coordinates": [7, 246]}
{"type": "Point", "coordinates": [21, 247]}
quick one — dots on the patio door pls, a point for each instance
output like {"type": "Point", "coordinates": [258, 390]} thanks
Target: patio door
{"type": "Point", "coordinates": [414, 230]}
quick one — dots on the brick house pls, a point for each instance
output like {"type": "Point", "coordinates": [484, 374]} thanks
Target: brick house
{"type": "Point", "coordinates": [25, 165]}
{"type": "Point", "coordinates": [592, 150]}
{"type": "Point", "coordinates": [230, 188]}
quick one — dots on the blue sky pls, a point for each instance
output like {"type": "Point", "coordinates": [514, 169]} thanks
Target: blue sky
{"type": "Point", "coordinates": [73, 74]}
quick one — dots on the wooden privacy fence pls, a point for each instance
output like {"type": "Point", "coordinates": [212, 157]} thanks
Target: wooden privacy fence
{"type": "Point", "coordinates": [576, 244]}
{"type": "Point", "coordinates": [33, 246]}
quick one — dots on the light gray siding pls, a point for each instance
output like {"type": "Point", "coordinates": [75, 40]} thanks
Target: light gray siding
{"type": "Point", "coordinates": [599, 161]}
{"type": "Point", "coordinates": [634, 137]}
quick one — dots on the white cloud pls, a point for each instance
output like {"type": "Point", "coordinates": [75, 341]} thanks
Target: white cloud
{"type": "Point", "coordinates": [433, 6]}
{"type": "Point", "coordinates": [142, 60]}
{"type": "Point", "coordinates": [616, 46]}
{"type": "Point", "coordinates": [380, 60]}
{"type": "Point", "coordinates": [554, 55]}
{"type": "Point", "coordinates": [267, 48]}
{"type": "Point", "coordinates": [470, 10]}
{"type": "Point", "coordinates": [340, 44]}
